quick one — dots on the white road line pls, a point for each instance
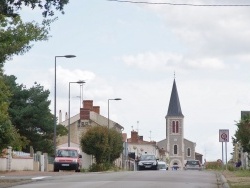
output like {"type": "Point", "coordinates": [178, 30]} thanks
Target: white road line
{"type": "Point", "coordinates": [40, 177]}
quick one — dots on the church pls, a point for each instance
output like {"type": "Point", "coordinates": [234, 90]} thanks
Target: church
{"type": "Point", "coordinates": [177, 147]}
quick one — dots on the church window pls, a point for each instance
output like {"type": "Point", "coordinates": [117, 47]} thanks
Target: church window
{"type": "Point", "coordinates": [175, 126]}
{"type": "Point", "coordinates": [175, 149]}
{"type": "Point", "coordinates": [188, 152]}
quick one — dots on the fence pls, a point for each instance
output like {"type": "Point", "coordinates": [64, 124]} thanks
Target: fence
{"type": "Point", "coordinates": [18, 160]}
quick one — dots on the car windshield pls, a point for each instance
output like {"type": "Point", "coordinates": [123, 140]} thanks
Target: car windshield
{"type": "Point", "coordinates": [67, 153]}
{"type": "Point", "coordinates": [148, 157]}
{"type": "Point", "coordinates": [162, 166]}
{"type": "Point", "coordinates": [193, 162]}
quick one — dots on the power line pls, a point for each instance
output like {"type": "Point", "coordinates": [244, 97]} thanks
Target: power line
{"type": "Point", "coordinates": [181, 4]}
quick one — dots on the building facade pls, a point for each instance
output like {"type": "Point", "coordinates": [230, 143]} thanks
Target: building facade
{"type": "Point", "coordinates": [89, 116]}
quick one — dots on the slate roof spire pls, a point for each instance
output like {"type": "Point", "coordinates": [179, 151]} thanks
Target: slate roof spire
{"type": "Point", "coordinates": [174, 108]}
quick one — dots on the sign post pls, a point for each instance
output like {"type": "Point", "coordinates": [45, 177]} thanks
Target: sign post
{"type": "Point", "coordinates": [224, 137]}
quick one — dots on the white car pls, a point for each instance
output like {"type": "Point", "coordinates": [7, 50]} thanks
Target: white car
{"type": "Point", "coordinates": [162, 165]}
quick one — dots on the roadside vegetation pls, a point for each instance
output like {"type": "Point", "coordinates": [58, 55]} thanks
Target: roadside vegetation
{"type": "Point", "coordinates": [104, 144]}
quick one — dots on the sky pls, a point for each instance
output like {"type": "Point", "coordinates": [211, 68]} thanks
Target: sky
{"type": "Point", "coordinates": [133, 51]}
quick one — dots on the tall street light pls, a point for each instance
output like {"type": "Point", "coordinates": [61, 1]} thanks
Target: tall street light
{"type": "Point", "coordinates": [79, 82]}
{"type": "Point", "coordinates": [115, 99]}
{"type": "Point", "coordinates": [65, 56]}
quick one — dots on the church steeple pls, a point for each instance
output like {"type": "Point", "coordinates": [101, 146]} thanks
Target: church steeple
{"type": "Point", "coordinates": [174, 108]}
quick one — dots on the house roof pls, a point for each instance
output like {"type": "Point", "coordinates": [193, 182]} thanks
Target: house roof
{"type": "Point", "coordinates": [174, 108]}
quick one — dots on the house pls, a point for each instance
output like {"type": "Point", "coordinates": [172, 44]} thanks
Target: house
{"type": "Point", "coordinates": [179, 149]}
{"type": "Point", "coordinates": [89, 116]}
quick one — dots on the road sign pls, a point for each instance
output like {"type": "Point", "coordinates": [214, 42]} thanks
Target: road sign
{"type": "Point", "coordinates": [224, 135]}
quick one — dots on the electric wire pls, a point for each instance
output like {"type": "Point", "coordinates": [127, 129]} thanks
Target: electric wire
{"type": "Point", "coordinates": [181, 4]}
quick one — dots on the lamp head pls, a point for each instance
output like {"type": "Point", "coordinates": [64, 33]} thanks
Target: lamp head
{"type": "Point", "coordinates": [80, 82]}
{"type": "Point", "coordinates": [69, 56]}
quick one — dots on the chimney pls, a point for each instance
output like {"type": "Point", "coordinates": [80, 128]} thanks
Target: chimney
{"type": "Point", "coordinates": [88, 104]}
{"type": "Point", "coordinates": [84, 113]}
{"type": "Point", "coordinates": [96, 109]}
{"type": "Point", "coordinates": [66, 116]}
{"type": "Point", "coordinates": [60, 116]}
{"type": "Point", "coordinates": [134, 136]}
{"type": "Point", "coordinates": [141, 138]}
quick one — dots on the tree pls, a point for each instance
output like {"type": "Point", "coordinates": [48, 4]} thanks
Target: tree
{"type": "Point", "coordinates": [30, 114]}
{"type": "Point", "coordinates": [242, 133]}
{"type": "Point", "coordinates": [11, 7]}
{"type": "Point", "coordinates": [97, 142]}
{"type": "Point", "coordinates": [9, 136]}
{"type": "Point", "coordinates": [116, 144]}
{"type": "Point", "coordinates": [16, 36]}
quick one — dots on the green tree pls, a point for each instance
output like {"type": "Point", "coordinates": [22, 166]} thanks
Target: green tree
{"type": "Point", "coordinates": [242, 133]}
{"type": "Point", "coordinates": [30, 114]}
{"type": "Point", "coordinates": [9, 136]}
{"type": "Point", "coordinates": [115, 145]}
{"type": "Point", "coordinates": [16, 37]}
{"type": "Point", "coordinates": [11, 7]}
{"type": "Point", "coordinates": [97, 142]}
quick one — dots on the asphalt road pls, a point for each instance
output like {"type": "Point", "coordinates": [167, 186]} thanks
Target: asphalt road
{"type": "Point", "coordinates": [137, 179]}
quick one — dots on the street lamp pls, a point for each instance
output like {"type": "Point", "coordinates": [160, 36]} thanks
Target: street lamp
{"type": "Point", "coordinates": [66, 56]}
{"type": "Point", "coordinates": [115, 99]}
{"type": "Point", "coordinates": [79, 82]}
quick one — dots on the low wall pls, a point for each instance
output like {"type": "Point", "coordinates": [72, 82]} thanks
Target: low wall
{"type": "Point", "coordinates": [24, 163]}
{"type": "Point", "coordinates": [3, 164]}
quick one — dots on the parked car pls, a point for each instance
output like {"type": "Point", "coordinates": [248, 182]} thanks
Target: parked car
{"type": "Point", "coordinates": [68, 158]}
{"type": "Point", "coordinates": [193, 165]}
{"type": "Point", "coordinates": [162, 165]}
{"type": "Point", "coordinates": [147, 162]}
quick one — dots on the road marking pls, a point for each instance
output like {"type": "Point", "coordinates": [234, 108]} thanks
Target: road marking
{"type": "Point", "coordinates": [40, 177]}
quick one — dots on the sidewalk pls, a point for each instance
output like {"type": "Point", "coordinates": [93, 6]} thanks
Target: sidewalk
{"type": "Point", "coordinates": [9, 179]}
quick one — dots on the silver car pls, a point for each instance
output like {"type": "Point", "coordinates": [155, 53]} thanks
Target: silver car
{"type": "Point", "coordinates": [193, 165]}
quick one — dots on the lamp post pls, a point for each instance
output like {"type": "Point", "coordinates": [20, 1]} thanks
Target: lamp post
{"type": "Point", "coordinates": [79, 82]}
{"type": "Point", "coordinates": [115, 99]}
{"type": "Point", "coordinates": [54, 139]}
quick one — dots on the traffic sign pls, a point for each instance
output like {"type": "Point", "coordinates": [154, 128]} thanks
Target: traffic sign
{"type": "Point", "coordinates": [224, 135]}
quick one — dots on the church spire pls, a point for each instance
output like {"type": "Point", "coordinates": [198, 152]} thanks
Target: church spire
{"type": "Point", "coordinates": [174, 108]}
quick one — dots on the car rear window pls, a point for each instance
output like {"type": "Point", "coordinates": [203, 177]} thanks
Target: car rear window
{"type": "Point", "coordinates": [193, 162]}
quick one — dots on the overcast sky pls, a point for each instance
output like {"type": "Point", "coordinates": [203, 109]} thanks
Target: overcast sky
{"type": "Point", "coordinates": [132, 51]}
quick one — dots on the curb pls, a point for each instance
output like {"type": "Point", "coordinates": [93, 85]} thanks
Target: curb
{"type": "Point", "coordinates": [223, 180]}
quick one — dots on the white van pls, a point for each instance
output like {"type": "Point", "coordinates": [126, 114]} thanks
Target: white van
{"type": "Point", "coordinates": [162, 165]}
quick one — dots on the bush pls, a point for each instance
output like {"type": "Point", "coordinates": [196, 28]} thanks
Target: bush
{"type": "Point", "coordinates": [99, 167]}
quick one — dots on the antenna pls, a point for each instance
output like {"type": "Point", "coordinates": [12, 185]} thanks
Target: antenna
{"type": "Point", "coordinates": [132, 128]}
{"type": "Point", "coordinates": [150, 136]}
{"type": "Point", "coordinates": [138, 127]}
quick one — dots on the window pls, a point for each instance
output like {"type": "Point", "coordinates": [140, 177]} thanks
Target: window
{"type": "Point", "coordinates": [188, 152]}
{"type": "Point", "coordinates": [175, 126]}
{"type": "Point", "coordinates": [175, 150]}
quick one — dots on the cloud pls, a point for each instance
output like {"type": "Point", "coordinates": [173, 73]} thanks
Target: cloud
{"type": "Point", "coordinates": [161, 61]}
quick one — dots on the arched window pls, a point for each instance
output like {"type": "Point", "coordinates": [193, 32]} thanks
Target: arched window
{"type": "Point", "coordinates": [175, 150]}
{"type": "Point", "coordinates": [173, 126]}
{"type": "Point", "coordinates": [177, 127]}
{"type": "Point", "coordinates": [188, 152]}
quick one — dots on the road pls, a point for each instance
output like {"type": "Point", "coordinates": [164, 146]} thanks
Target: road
{"type": "Point", "coordinates": [131, 179]}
